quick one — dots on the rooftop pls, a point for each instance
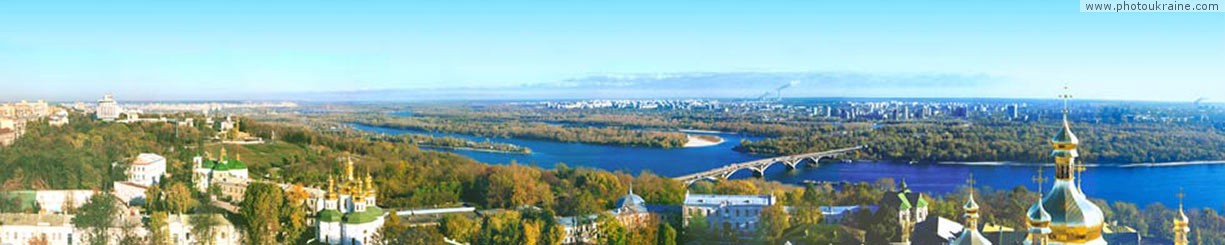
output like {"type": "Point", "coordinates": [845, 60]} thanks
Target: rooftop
{"type": "Point", "coordinates": [710, 199]}
{"type": "Point", "coordinates": [35, 219]}
{"type": "Point", "coordinates": [148, 158]}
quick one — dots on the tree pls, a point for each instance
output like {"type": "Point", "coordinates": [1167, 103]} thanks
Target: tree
{"type": "Point", "coordinates": [153, 199]}
{"type": "Point", "coordinates": [261, 208]}
{"type": "Point", "coordinates": [204, 226]}
{"type": "Point", "coordinates": [515, 185]}
{"type": "Point", "coordinates": [389, 233]}
{"type": "Point", "coordinates": [459, 227]}
{"type": "Point", "coordinates": [883, 227]}
{"type": "Point", "coordinates": [159, 233]}
{"type": "Point", "coordinates": [611, 231]}
{"type": "Point", "coordinates": [293, 215]}
{"type": "Point", "coordinates": [667, 235]}
{"type": "Point", "coordinates": [501, 228]}
{"type": "Point", "coordinates": [96, 216]}
{"type": "Point", "coordinates": [396, 232]}
{"type": "Point", "coordinates": [697, 228]}
{"type": "Point", "coordinates": [178, 199]}
{"type": "Point", "coordinates": [736, 187]}
{"type": "Point", "coordinates": [531, 232]}
{"type": "Point", "coordinates": [773, 222]}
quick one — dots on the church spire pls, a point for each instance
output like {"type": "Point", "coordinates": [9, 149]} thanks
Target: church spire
{"type": "Point", "coordinates": [1181, 223]}
{"type": "Point", "coordinates": [349, 168]}
{"type": "Point", "coordinates": [1064, 143]}
{"type": "Point", "coordinates": [970, 235]}
{"type": "Point", "coordinates": [1039, 220]}
{"type": "Point", "coordinates": [971, 207]}
{"type": "Point", "coordinates": [331, 190]}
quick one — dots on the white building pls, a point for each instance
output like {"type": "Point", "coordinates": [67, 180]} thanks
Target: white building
{"type": "Point", "coordinates": [179, 227]}
{"type": "Point", "coordinates": [25, 111]}
{"type": "Point", "coordinates": [130, 193]}
{"type": "Point", "coordinates": [735, 212]}
{"type": "Point", "coordinates": [22, 228]}
{"type": "Point", "coordinates": [60, 118]}
{"type": "Point", "coordinates": [147, 169]}
{"type": "Point", "coordinates": [349, 214]}
{"type": "Point", "coordinates": [108, 109]}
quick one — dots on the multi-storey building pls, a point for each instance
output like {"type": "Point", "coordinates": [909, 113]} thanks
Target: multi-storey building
{"type": "Point", "coordinates": [735, 213]}
{"type": "Point", "coordinates": [147, 169]}
{"type": "Point", "coordinates": [108, 109]}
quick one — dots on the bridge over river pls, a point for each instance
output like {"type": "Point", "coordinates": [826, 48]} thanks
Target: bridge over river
{"type": "Point", "coordinates": [759, 166]}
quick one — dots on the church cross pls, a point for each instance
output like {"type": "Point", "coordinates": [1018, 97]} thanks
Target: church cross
{"type": "Point", "coordinates": [1080, 169]}
{"type": "Point", "coordinates": [1180, 196]}
{"type": "Point", "coordinates": [1039, 179]}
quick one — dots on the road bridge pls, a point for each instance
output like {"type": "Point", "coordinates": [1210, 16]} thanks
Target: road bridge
{"type": "Point", "coordinates": [759, 166]}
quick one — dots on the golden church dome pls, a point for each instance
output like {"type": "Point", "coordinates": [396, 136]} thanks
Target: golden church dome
{"type": "Point", "coordinates": [1073, 218]}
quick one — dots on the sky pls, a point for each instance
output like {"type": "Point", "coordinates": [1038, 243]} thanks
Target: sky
{"type": "Point", "coordinates": [201, 50]}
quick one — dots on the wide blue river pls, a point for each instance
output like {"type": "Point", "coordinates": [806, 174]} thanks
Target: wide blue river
{"type": "Point", "coordinates": [1204, 184]}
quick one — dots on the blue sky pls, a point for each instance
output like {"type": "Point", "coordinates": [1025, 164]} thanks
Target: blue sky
{"type": "Point", "coordinates": [169, 50]}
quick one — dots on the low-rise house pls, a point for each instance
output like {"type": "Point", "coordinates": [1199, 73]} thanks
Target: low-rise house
{"type": "Point", "coordinates": [23, 228]}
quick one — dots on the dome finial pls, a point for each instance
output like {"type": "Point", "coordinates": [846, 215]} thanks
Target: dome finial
{"type": "Point", "coordinates": [1066, 96]}
{"type": "Point", "coordinates": [1181, 195]}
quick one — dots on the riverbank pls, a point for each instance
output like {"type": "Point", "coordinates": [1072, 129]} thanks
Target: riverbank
{"type": "Point", "coordinates": [1091, 165]}
{"type": "Point", "coordinates": [460, 148]}
{"type": "Point", "coordinates": [702, 140]}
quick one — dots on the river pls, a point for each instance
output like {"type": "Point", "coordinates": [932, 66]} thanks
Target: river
{"type": "Point", "coordinates": [1204, 184]}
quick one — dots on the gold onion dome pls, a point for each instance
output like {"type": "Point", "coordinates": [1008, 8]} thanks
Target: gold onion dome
{"type": "Point", "coordinates": [971, 236]}
{"type": "Point", "coordinates": [971, 206]}
{"type": "Point", "coordinates": [357, 191]}
{"type": "Point", "coordinates": [1038, 217]}
{"type": "Point", "coordinates": [1065, 134]}
{"type": "Point", "coordinates": [332, 195]}
{"type": "Point", "coordinates": [1074, 219]}
{"type": "Point", "coordinates": [370, 192]}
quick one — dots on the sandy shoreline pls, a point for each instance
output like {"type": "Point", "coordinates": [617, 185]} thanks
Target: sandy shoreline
{"type": "Point", "coordinates": [695, 141]}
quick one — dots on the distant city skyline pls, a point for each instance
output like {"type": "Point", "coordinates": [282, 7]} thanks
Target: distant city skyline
{"type": "Point", "coordinates": [282, 50]}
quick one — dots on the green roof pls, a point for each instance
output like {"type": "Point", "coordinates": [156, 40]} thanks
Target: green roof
{"type": "Point", "coordinates": [25, 199]}
{"type": "Point", "coordinates": [230, 164]}
{"type": "Point", "coordinates": [328, 215]}
{"type": "Point", "coordinates": [372, 213]}
{"type": "Point", "coordinates": [905, 203]}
